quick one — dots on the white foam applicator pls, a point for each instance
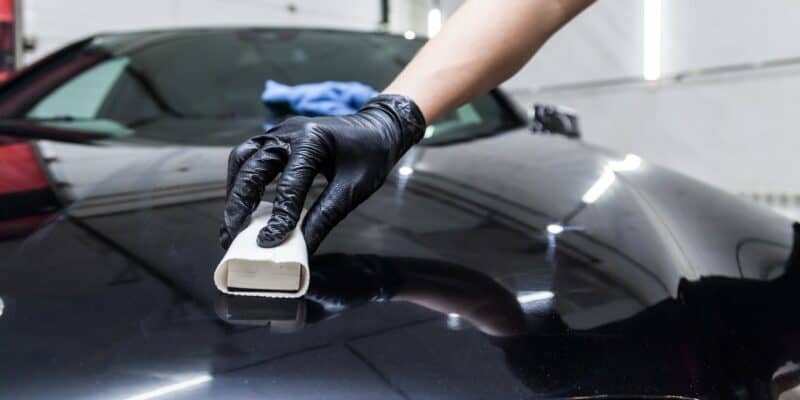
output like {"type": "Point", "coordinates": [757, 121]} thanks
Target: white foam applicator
{"type": "Point", "coordinates": [250, 270]}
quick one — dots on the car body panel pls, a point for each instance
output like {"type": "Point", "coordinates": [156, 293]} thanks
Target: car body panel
{"type": "Point", "coordinates": [659, 286]}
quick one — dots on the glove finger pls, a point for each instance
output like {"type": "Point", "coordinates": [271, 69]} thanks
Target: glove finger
{"type": "Point", "coordinates": [335, 202]}
{"type": "Point", "coordinates": [292, 190]}
{"type": "Point", "coordinates": [247, 189]}
{"type": "Point", "coordinates": [238, 156]}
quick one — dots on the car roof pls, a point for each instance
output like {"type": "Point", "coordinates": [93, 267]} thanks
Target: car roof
{"type": "Point", "coordinates": [115, 41]}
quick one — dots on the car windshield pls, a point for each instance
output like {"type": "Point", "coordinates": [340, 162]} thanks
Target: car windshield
{"type": "Point", "coordinates": [204, 87]}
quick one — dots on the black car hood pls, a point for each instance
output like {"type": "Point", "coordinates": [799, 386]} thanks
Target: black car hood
{"type": "Point", "coordinates": [482, 269]}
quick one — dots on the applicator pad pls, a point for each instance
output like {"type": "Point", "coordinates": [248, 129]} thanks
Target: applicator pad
{"type": "Point", "coordinates": [250, 270]}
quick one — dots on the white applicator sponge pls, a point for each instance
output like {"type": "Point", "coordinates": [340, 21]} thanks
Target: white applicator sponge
{"type": "Point", "coordinates": [250, 270]}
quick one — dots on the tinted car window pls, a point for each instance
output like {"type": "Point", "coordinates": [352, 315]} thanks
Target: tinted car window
{"type": "Point", "coordinates": [82, 96]}
{"type": "Point", "coordinates": [220, 75]}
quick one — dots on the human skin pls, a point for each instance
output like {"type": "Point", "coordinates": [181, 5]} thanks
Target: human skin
{"type": "Point", "coordinates": [482, 44]}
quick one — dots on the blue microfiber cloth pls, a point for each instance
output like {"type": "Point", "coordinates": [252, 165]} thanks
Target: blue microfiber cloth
{"type": "Point", "coordinates": [317, 99]}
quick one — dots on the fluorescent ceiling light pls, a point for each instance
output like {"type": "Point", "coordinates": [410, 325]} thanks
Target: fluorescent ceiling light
{"type": "Point", "coordinates": [171, 388]}
{"type": "Point", "coordinates": [434, 22]}
{"type": "Point", "coordinates": [600, 186]}
{"type": "Point", "coordinates": [530, 297]}
{"type": "Point", "coordinates": [652, 40]}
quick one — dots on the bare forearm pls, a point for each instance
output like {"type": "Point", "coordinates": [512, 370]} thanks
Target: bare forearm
{"type": "Point", "coordinates": [483, 43]}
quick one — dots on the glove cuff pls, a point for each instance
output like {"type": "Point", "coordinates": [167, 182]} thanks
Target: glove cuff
{"type": "Point", "coordinates": [405, 112]}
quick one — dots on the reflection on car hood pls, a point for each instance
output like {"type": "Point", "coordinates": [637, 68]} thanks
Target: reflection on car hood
{"type": "Point", "coordinates": [506, 267]}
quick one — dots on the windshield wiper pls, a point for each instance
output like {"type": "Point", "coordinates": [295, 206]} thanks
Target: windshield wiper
{"type": "Point", "coordinates": [34, 129]}
{"type": "Point", "coordinates": [57, 118]}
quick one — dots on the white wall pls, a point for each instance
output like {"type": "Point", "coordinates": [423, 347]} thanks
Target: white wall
{"type": "Point", "coordinates": [603, 42]}
{"type": "Point", "coordinates": [56, 22]}
{"type": "Point", "coordinates": [736, 130]}
{"type": "Point", "coordinates": [708, 33]}
{"type": "Point", "coordinates": [408, 15]}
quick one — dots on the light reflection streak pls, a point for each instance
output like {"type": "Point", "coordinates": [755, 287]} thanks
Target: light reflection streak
{"type": "Point", "coordinates": [530, 297]}
{"type": "Point", "coordinates": [630, 163]}
{"type": "Point", "coordinates": [171, 388]}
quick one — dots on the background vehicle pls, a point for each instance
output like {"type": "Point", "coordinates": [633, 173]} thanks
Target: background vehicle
{"type": "Point", "coordinates": [494, 263]}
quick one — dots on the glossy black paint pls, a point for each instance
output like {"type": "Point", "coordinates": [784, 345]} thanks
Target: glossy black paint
{"type": "Point", "coordinates": [660, 286]}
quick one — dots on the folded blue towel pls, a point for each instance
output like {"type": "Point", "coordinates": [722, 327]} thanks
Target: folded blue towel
{"type": "Point", "coordinates": [316, 99]}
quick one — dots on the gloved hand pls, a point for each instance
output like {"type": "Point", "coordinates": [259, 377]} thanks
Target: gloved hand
{"type": "Point", "coordinates": [354, 152]}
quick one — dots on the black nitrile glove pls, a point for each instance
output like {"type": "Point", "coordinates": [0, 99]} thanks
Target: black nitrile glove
{"type": "Point", "coordinates": [354, 152]}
